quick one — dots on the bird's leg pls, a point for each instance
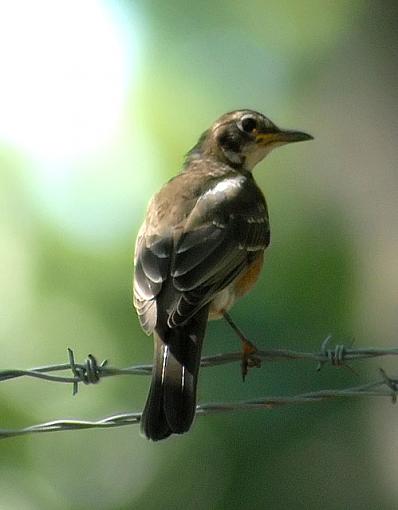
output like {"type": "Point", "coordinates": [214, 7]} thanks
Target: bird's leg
{"type": "Point", "coordinates": [249, 358]}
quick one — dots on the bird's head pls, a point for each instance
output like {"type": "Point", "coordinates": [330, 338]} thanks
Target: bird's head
{"type": "Point", "coordinates": [243, 138]}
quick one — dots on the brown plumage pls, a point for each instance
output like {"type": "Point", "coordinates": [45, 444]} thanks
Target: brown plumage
{"type": "Point", "coordinates": [200, 248]}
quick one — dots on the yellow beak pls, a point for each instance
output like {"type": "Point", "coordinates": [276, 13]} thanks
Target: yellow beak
{"type": "Point", "coordinates": [282, 136]}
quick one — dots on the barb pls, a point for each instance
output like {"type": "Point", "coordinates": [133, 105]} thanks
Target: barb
{"type": "Point", "coordinates": [385, 387]}
{"type": "Point", "coordinates": [336, 356]}
{"type": "Point", "coordinates": [91, 372]}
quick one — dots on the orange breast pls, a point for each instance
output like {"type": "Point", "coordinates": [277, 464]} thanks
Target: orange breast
{"type": "Point", "coordinates": [225, 299]}
{"type": "Point", "coordinates": [246, 280]}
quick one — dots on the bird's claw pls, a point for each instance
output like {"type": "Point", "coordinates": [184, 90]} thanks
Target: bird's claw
{"type": "Point", "coordinates": [249, 358]}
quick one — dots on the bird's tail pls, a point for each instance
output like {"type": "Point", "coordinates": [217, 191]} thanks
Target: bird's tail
{"type": "Point", "coordinates": [171, 403]}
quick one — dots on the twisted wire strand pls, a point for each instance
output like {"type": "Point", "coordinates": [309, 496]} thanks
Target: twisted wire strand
{"type": "Point", "coordinates": [91, 372]}
{"type": "Point", "coordinates": [385, 387]}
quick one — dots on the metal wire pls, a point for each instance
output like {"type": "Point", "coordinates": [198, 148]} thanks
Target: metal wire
{"type": "Point", "coordinates": [91, 372]}
{"type": "Point", "coordinates": [384, 387]}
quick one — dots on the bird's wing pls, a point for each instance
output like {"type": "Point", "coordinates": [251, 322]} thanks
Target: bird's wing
{"type": "Point", "coordinates": [226, 226]}
{"type": "Point", "coordinates": [152, 264]}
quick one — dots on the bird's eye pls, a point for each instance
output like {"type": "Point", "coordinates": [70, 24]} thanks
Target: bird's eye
{"type": "Point", "coordinates": [248, 124]}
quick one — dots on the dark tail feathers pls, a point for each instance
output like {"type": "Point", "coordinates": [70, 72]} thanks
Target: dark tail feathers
{"type": "Point", "coordinates": [171, 403]}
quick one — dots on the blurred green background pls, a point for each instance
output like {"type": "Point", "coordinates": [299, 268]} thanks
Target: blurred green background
{"type": "Point", "coordinates": [99, 100]}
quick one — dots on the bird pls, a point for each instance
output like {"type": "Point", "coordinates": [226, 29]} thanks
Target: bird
{"type": "Point", "coordinates": [200, 248]}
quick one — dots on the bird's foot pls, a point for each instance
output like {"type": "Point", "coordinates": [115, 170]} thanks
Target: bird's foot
{"type": "Point", "coordinates": [249, 358]}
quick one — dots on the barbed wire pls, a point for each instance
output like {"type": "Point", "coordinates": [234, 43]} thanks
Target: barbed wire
{"type": "Point", "coordinates": [91, 372]}
{"type": "Point", "coordinates": [384, 387]}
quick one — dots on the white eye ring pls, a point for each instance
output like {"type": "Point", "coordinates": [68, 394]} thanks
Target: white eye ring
{"type": "Point", "coordinates": [247, 124]}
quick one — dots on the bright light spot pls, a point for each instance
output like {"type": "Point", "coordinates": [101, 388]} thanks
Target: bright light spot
{"type": "Point", "coordinates": [68, 68]}
{"type": "Point", "coordinates": [65, 69]}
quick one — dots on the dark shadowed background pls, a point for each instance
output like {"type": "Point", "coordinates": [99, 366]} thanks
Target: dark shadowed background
{"type": "Point", "coordinates": [99, 100]}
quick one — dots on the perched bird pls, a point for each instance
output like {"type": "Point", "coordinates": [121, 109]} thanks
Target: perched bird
{"type": "Point", "coordinates": [200, 248]}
